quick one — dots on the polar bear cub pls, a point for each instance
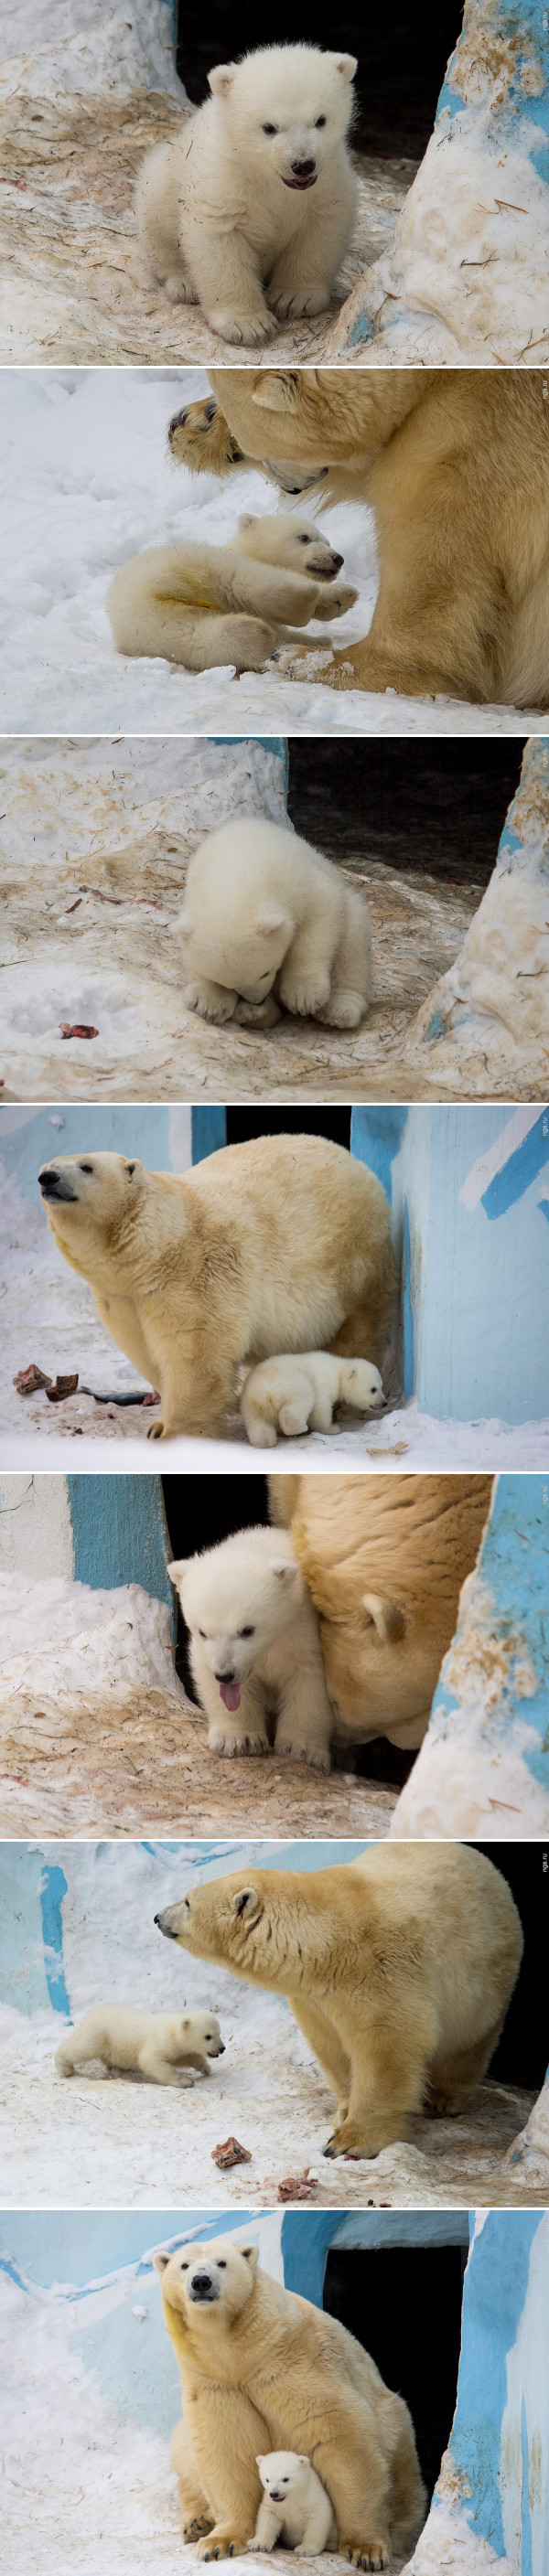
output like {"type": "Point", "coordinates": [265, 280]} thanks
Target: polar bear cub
{"type": "Point", "coordinates": [296, 1394]}
{"type": "Point", "coordinates": [294, 2507]}
{"type": "Point", "coordinates": [205, 606]}
{"type": "Point", "coordinates": [161, 2045]}
{"type": "Point", "coordinates": [250, 212]}
{"type": "Point", "coordinates": [268, 922]}
{"type": "Point", "coordinates": [255, 1647]}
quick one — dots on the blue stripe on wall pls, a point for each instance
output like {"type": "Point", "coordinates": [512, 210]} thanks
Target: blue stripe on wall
{"type": "Point", "coordinates": [306, 2236]}
{"type": "Point", "coordinates": [494, 2293]}
{"type": "Point", "coordinates": [119, 1534]}
{"type": "Point", "coordinates": [275, 742]}
{"type": "Point", "coordinates": [376, 1137]}
{"type": "Point", "coordinates": [209, 1131]}
{"type": "Point", "coordinates": [522, 1167]}
{"type": "Point", "coordinates": [52, 1887]}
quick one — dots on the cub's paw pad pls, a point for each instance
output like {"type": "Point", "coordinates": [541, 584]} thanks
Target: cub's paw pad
{"type": "Point", "coordinates": [341, 596]}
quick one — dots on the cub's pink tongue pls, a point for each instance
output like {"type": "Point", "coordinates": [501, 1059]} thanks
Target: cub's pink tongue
{"type": "Point", "coordinates": [230, 1694]}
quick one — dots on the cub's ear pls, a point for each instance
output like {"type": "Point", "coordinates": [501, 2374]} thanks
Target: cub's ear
{"type": "Point", "coordinates": [161, 2262]}
{"type": "Point", "coordinates": [278, 389]}
{"type": "Point", "coordinates": [251, 2256]}
{"type": "Point", "coordinates": [268, 919]}
{"type": "Point", "coordinates": [178, 1568]}
{"type": "Point", "coordinates": [133, 1167]}
{"type": "Point", "coordinates": [286, 1573]}
{"type": "Point", "coordinates": [304, 2461]}
{"type": "Point", "coordinates": [247, 520]}
{"type": "Point", "coordinates": [386, 1618]}
{"type": "Point", "coordinates": [185, 2021]}
{"type": "Point", "coordinates": [247, 1903]}
{"type": "Point", "coordinates": [347, 64]}
{"type": "Point", "coordinates": [220, 81]}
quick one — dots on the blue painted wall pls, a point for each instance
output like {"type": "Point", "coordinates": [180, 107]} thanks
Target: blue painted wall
{"type": "Point", "coordinates": [120, 1534]}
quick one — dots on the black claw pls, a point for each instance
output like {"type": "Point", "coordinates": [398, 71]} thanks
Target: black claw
{"type": "Point", "coordinates": [231, 2549]}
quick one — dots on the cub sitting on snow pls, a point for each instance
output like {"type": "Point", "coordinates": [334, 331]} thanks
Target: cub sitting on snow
{"type": "Point", "coordinates": [266, 921]}
{"type": "Point", "coordinates": [258, 193]}
{"type": "Point", "coordinates": [300, 1394]}
{"type": "Point", "coordinates": [209, 605]}
{"type": "Point", "coordinates": [255, 1647]}
{"type": "Point", "coordinates": [294, 2507]}
{"type": "Point", "coordinates": [162, 2045]}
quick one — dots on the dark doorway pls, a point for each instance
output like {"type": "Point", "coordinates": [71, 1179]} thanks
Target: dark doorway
{"type": "Point", "coordinates": [402, 57]}
{"type": "Point", "coordinates": [403, 2303]}
{"type": "Point", "coordinates": [242, 1124]}
{"type": "Point", "coordinates": [522, 2054]}
{"type": "Point", "coordinates": [200, 1512]}
{"type": "Point", "coordinates": [437, 806]}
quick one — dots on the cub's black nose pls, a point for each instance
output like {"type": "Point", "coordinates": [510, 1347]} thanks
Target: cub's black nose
{"type": "Point", "coordinates": [303, 169]}
{"type": "Point", "coordinates": [338, 560]}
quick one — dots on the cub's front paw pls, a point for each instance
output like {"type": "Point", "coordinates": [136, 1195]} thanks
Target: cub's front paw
{"type": "Point", "coordinates": [243, 330]}
{"type": "Point", "coordinates": [304, 995]}
{"type": "Point", "coordinates": [179, 290]}
{"type": "Point", "coordinates": [257, 1015]}
{"type": "Point", "coordinates": [340, 597]}
{"type": "Point", "coordinates": [217, 1006]}
{"type": "Point", "coordinates": [227, 1744]}
{"type": "Point", "coordinates": [200, 2524]}
{"type": "Point", "coordinates": [317, 1755]}
{"type": "Point", "coordinates": [293, 303]}
{"type": "Point", "coordinates": [345, 1010]}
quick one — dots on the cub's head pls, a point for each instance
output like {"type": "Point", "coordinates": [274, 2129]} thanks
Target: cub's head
{"type": "Point", "coordinates": [281, 2472]}
{"type": "Point", "coordinates": [199, 2278]}
{"type": "Point", "coordinates": [288, 108]}
{"type": "Point", "coordinates": [361, 1385]}
{"type": "Point", "coordinates": [201, 2030]}
{"type": "Point", "coordinates": [89, 1193]}
{"type": "Point", "coordinates": [236, 1599]}
{"type": "Point", "coordinates": [294, 543]}
{"type": "Point", "coordinates": [230, 930]}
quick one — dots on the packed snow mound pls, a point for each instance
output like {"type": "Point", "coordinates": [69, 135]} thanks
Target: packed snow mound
{"type": "Point", "coordinates": [62, 1637]}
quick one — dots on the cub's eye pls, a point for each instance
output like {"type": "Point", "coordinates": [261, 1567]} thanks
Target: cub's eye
{"type": "Point", "coordinates": [246, 1632]}
{"type": "Point", "coordinates": [305, 541]}
{"type": "Point", "coordinates": [85, 1167]}
{"type": "Point", "coordinates": [269, 129]}
{"type": "Point", "coordinates": [222, 2267]}
{"type": "Point", "coordinates": [320, 120]}
{"type": "Point", "coordinates": [202, 1632]}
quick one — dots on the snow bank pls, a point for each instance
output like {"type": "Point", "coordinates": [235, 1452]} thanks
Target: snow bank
{"type": "Point", "coordinates": [491, 1010]}
{"type": "Point", "coordinates": [79, 47]}
{"type": "Point", "coordinates": [79, 2479]}
{"type": "Point", "coordinates": [86, 482]}
{"type": "Point", "coordinates": [63, 1638]}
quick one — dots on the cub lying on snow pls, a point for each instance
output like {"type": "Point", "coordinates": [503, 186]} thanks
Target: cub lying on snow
{"type": "Point", "coordinates": [454, 464]}
{"type": "Point", "coordinates": [206, 605]}
{"type": "Point", "coordinates": [255, 1647]}
{"type": "Point", "coordinates": [300, 1394]}
{"type": "Point", "coordinates": [182, 1267]}
{"type": "Point", "coordinates": [258, 192]}
{"type": "Point", "coordinates": [399, 1968]}
{"type": "Point", "coordinates": [266, 922]}
{"type": "Point", "coordinates": [258, 2362]}
{"type": "Point", "coordinates": [162, 2045]}
{"type": "Point", "coordinates": [295, 2508]}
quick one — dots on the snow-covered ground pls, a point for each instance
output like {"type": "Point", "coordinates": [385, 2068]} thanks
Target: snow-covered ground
{"type": "Point", "coordinates": [85, 481]}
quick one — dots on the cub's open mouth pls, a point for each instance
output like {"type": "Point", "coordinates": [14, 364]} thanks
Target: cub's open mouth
{"type": "Point", "coordinates": [301, 183]}
{"type": "Point", "coordinates": [229, 1692]}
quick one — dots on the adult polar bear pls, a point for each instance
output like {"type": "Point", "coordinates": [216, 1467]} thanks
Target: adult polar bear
{"type": "Point", "coordinates": [399, 1968]}
{"type": "Point", "coordinates": [280, 1244]}
{"type": "Point", "coordinates": [455, 466]}
{"type": "Point", "coordinates": [250, 211]}
{"type": "Point", "coordinates": [262, 2368]}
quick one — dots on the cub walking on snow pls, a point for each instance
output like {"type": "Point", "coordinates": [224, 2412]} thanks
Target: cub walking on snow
{"type": "Point", "coordinates": [162, 2045]}
{"type": "Point", "coordinates": [255, 1648]}
{"type": "Point", "coordinates": [250, 212]}
{"type": "Point", "coordinates": [299, 1394]}
{"type": "Point", "coordinates": [294, 2507]}
{"type": "Point", "coordinates": [268, 922]}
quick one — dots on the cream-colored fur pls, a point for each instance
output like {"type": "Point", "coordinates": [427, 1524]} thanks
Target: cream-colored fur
{"type": "Point", "coordinates": [384, 1558]}
{"type": "Point", "coordinates": [255, 1648]}
{"type": "Point", "coordinates": [162, 2045]}
{"type": "Point", "coordinates": [260, 2368]}
{"type": "Point", "coordinates": [205, 605]}
{"type": "Point", "coordinates": [267, 921]}
{"type": "Point", "coordinates": [295, 1395]}
{"type": "Point", "coordinates": [295, 2508]}
{"type": "Point", "coordinates": [281, 1243]}
{"type": "Point", "coordinates": [399, 1968]}
{"type": "Point", "coordinates": [454, 465]}
{"type": "Point", "coordinates": [250, 212]}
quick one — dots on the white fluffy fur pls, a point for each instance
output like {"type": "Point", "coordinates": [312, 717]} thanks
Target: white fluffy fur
{"type": "Point", "coordinates": [223, 217]}
{"type": "Point", "coordinates": [255, 1647]}
{"type": "Point", "coordinates": [299, 1394]}
{"type": "Point", "coordinates": [267, 921]}
{"type": "Point", "coordinates": [294, 2507]}
{"type": "Point", "coordinates": [209, 605]}
{"type": "Point", "coordinates": [162, 2045]}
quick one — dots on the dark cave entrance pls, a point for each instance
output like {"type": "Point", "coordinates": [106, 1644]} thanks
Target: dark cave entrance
{"type": "Point", "coordinates": [403, 2303]}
